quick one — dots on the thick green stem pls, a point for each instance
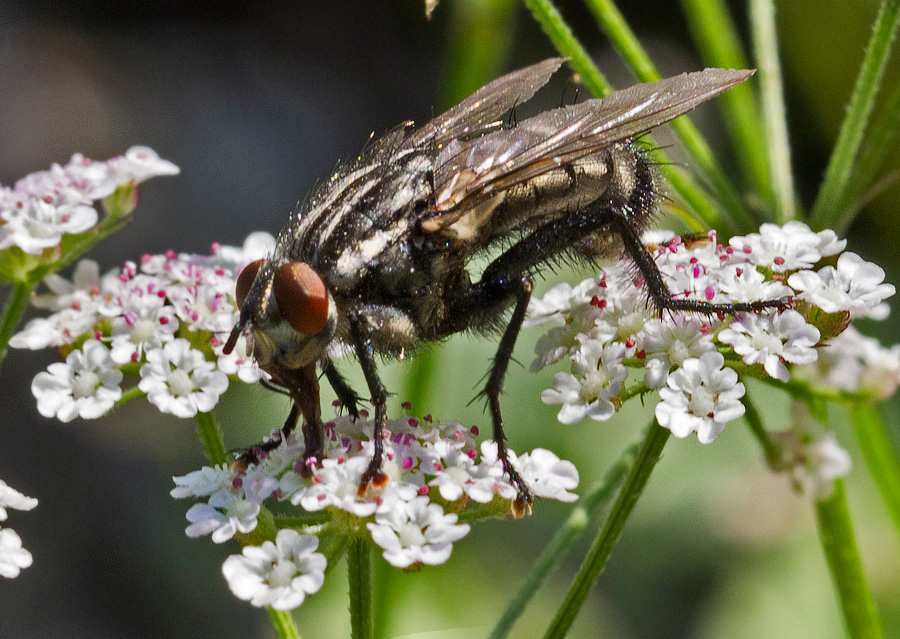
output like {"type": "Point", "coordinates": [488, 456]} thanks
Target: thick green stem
{"type": "Point", "coordinates": [716, 36]}
{"type": "Point", "coordinates": [827, 211]}
{"type": "Point", "coordinates": [359, 570]}
{"type": "Point", "coordinates": [211, 436]}
{"type": "Point", "coordinates": [880, 455]}
{"type": "Point", "coordinates": [839, 544]}
{"type": "Point", "coordinates": [16, 304]}
{"type": "Point", "coordinates": [562, 541]}
{"type": "Point", "coordinates": [599, 553]}
{"type": "Point", "coordinates": [613, 24]}
{"type": "Point", "coordinates": [762, 24]}
{"type": "Point", "coordinates": [283, 623]}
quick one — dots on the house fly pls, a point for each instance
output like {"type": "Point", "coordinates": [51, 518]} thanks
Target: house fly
{"type": "Point", "coordinates": [379, 258]}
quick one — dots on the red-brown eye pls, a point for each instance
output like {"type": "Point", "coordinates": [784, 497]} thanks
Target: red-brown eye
{"type": "Point", "coordinates": [302, 298]}
{"type": "Point", "coordinates": [245, 281]}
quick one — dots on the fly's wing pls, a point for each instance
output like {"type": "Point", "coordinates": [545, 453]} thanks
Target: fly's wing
{"type": "Point", "coordinates": [487, 104]}
{"type": "Point", "coordinates": [470, 172]}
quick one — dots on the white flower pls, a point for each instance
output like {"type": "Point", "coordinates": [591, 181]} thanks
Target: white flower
{"type": "Point", "coordinates": [335, 484]}
{"type": "Point", "coordinates": [13, 558]}
{"type": "Point", "coordinates": [700, 397]}
{"type": "Point", "coordinates": [179, 380]}
{"type": "Point", "coordinates": [40, 225]}
{"type": "Point", "coordinates": [147, 323]}
{"type": "Point", "coordinates": [203, 482]}
{"type": "Point", "coordinates": [225, 515]}
{"type": "Point", "coordinates": [772, 340]}
{"type": "Point", "coordinates": [279, 574]}
{"type": "Point", "coordinates": [598, 376]}
{"type": "Point", "coordinates": [813, 458]}
{"type": "Point", "coordinates": [855, 285]}
{"type": "Point", "coordinates": [547, 475]}
{"type": "Point", "coordinates": [558, 300]}
{"type": "Point", "coordinates": [787, 248]}
{"type": "Point", "coordinates": [139, 163]}
{"type": "Point", "coordinates": [12, 498]}
{"type": "Point", "coordinates": [85, 386]}
{"type": "Point", "coordinates": [416, 532]}
{"type": "Point", "coordinates": [668, 344]}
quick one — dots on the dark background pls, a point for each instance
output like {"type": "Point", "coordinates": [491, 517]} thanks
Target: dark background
{"type": "Point", "coordinates": [255, 103]}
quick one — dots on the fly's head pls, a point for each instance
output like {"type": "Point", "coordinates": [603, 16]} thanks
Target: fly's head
{"type": "Point", "coordinates": [287, 315]}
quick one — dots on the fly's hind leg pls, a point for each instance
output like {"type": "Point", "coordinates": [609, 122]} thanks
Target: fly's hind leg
{"type": "Point", "coordinates": [660, 296]}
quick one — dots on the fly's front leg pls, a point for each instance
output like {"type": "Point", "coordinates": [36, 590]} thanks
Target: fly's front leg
{"type": "Point", "coordinates": [345, 394]}
{"type": "Point", "coordinates": [362, 343]}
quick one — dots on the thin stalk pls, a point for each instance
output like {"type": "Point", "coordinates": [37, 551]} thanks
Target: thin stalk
{"type": "Point", "coordinates": [590, 570]}
{"type": "Point", "coordinates": [839, 544]}
{"type": "Point", "coordinates": [283, 623]}
{"type": "Point", "coordinates": [705, 211]}
{"type": "Point", "coordinates": [613, 24]}
{"type": "Point", "coordinates": [880, 455]}
{"type": "Point", "coordinates": [771, 450]}
{"type": "Point", "coordinates": [211, 437]}
{"type": "Point", "coordinates": [826, 211]}
{"type": "Point", "coordinates": [359, 570]}
{"type": "Point", "coordinates": [562, 541]}
{"type": "Point", "coordinates": [765, 43]}
{"type": "Point", "coordinates": [717, 38]}
{"type": "Point", "coordinates": [16, 303]}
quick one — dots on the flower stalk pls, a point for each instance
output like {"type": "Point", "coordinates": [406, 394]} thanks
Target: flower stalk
{"type": "Point", "coordinates": [596, 559]}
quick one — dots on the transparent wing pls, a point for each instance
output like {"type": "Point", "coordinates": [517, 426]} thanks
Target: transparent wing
{"type": "Point", "coordinates": [470, 172]}
{"type": "Point", "coordinates": [487, 104]}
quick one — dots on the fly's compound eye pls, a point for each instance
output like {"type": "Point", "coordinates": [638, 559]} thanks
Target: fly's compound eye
{"type": "Point", "coordinates": [302, 298]}
{"type": "Point", "coordinates": [245, 281]}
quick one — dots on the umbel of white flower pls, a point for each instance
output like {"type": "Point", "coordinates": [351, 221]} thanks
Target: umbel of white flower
{"type": "Point", "coordinates": [604, 327]}
{"type": "Point", "coordinates": [435, 471]}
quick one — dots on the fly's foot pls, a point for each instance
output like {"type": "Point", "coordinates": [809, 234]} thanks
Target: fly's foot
{"type": "Point", "coordinates": [374, 475]}
{"type": "Point", "coordinates": [524, 500]}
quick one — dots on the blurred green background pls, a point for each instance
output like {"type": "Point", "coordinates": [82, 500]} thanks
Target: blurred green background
{"type": "Point", "coordinates": [256, 103]}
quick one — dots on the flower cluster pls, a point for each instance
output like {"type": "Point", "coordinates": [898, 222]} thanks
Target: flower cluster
{"type": "Point", "coordinates": [434, 471]}
{"type": "Point", "coordinates": [161, 320]}
{"type": "Point", "coordinates": [13, 558]}
{"type": "Point", "coordinates": [605, 326]}
{"type": "Point", "coordinates": [43, 206]}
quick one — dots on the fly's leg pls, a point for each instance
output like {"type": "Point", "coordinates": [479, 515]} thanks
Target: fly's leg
{"type": "Point", "coordinates": [660, 296]}
{"type": "Point", "coordinates": [362, 344]}
{"type": "Point", "coordinates": [494, 387]}
{"type": "Point", "coordinates": [303, 387]}
{"type": "Point", "coordinates": [345, 394]}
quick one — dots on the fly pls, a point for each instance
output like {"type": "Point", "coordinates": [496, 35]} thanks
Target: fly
{"type": "Point", "coordinates": [379, 258]}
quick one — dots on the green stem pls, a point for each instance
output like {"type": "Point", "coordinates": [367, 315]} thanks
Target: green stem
{"type": "Point", "coordinates": [765, 40]}
{"type": "Point", "coordinates": [613, 24]}
{"type": "Point", "coordinates": [880, 455]}
{"type": "Point", "coordinates": [716, 36]}
{"type": "Point", "coordinates": [599, 553]}
{"type": "Point", "coordinates": [283, 623]}
{"type": "Point", "coordinates": [770, 449]}
{"type": "Point", "coordinates": [826, 212]}
{"type": "Point", "coordinates": [880, 140]}
{"type": "Point", "coordinates": [359, 569]}
{"type": "Point", "coordinates": [564, 538]}
{"type": "Point", "coordinates": [211, 436]}
{"type": "Point", "coordinates": [16, 303]}
{"type": "Point", "coordinates": [706, 213]}
{"type": "Point", "coordinates": [836, 535]}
